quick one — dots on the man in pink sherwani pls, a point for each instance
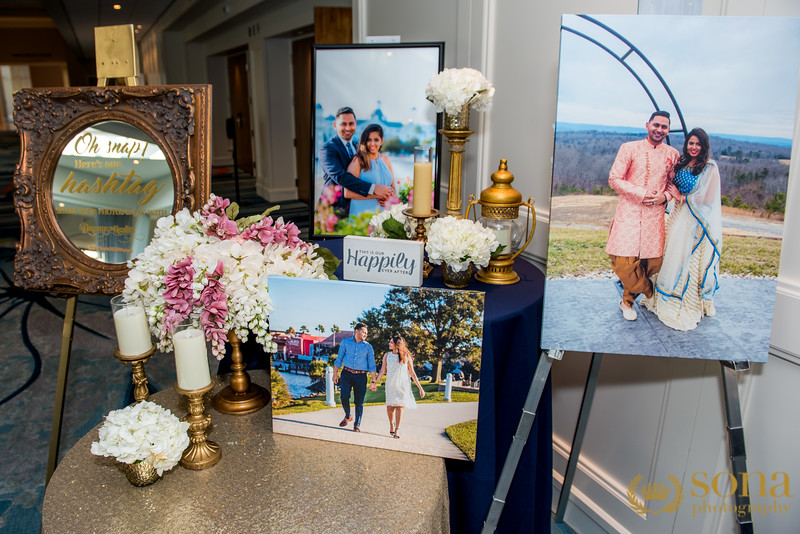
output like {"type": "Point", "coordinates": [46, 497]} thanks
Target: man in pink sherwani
{"type": "Point", "coordinates": [636, 239]}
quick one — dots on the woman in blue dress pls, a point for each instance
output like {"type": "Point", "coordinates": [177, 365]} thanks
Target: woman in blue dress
{"type": "Point", "coordinates": [369, 165]}
{"type": "Point", "coordinates": [689, 276]}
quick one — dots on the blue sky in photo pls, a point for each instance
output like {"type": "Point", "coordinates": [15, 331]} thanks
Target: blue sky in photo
{"type": "Point", "coordinates": [729, 75]}
{"type": "Point", "coordinates": [361, 78]}
{"type": "Point", "coordinates": [302, 301]}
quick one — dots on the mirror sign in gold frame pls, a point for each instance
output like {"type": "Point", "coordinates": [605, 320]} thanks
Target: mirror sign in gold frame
{"type": "Point", "coordinates": [99, 167]}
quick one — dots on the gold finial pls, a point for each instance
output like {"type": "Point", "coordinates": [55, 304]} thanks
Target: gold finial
{"type": "Point", "coordinates": [501, 193]}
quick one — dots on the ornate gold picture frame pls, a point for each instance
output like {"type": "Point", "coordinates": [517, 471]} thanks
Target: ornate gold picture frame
{"type": "Point", "coordinates": [98, 167]}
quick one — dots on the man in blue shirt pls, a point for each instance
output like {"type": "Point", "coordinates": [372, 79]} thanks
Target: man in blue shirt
{"type": "Point", "coordinates": [355, 359]}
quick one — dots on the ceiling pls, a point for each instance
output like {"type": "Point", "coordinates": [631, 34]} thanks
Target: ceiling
{"type": "Point", "coordinates": [76, 19]}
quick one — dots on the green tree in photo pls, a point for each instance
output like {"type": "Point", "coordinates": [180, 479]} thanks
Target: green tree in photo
{"type": "Point", "coordinates": [439, 326]}
{"type": "Point", "coordinates": [316, 370]}
{"type": "Point", "coordinates": [280, 391]}
{"type": "Point", "coordinates": [777, 204]}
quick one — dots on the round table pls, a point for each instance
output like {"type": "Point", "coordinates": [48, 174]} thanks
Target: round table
{"type": "Point", "coordinates": [264, 482]}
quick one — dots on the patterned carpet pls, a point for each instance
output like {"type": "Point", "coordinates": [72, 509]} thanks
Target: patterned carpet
{"type": "Point", "coordinates": [30, 337]}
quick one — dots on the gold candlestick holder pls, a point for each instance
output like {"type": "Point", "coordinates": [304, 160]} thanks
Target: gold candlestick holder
{"type": "Point", "coordinates": [242, 396]}
{"type": "Point", "coordinates": [202, 453]}
{"type": "Point", "coordinates": [139, 378]}
{"type": "Point", "coordinates": [427, 268]}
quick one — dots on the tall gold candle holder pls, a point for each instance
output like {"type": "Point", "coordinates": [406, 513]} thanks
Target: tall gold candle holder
{"type": "Point", "coordinates": [427, 268]}
{"type": "Point", "coordinates": [139, 378]}
{"type": "Point", "coordinates": [456, 130]}
{"type": "Point", "coordinates": [242, 396]}
{"type": "Point", "coordinates": [202, 453]}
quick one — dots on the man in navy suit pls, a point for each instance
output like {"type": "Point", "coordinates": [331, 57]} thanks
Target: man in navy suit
{"type": "Point", "coordinates": [335, 156]}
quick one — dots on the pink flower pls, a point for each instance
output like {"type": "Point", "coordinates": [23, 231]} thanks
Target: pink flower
{"type": "Point", "coordinates": [216, 205]}
{"type": "Point", "coordinates": [215, 310]}
{"type": "Point", "coordinates": [330, 222]}
{"type": "Point", "coordinates": [215, 220]}
{"type": "Point", "coordinates": [391, 201]}
{"type": "Point", "coordinates": [268, 231]}
{"type": "Point", "coordinates": [178, 293]}
{"type": "Point", "coordinates": [330, 194]}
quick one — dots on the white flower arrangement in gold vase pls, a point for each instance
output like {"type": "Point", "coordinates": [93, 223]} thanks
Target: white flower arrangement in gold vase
{"type": "Point", "coordinates": [457, 245]}
{"type": "Point", "coordinates": [143, 432]}
{"type": "Point", "coordinates": [455, 92]}
{"type": "Point", "coordinates": [451, 89]}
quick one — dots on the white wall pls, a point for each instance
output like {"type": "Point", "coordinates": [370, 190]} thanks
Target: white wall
{"type": "Point", "coordinates": [461, 24]}
{"type": "Point", "coordinates": [189, 37]}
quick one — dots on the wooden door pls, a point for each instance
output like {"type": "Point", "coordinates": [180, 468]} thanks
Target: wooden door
{"type": "Point", "coordinates": [238, 88]}
{"type": "Point", "coordinates": [333, 25]}
{"type": "Point", "coordinates": [301, 74]}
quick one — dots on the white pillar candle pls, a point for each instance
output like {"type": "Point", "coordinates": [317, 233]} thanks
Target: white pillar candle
{"type": "Point", "coordinates": [133, 335]}
{"type": "Point", "coordinates": [503, 236]}
{"type": "Point", "coordinates": [423, 178]}
{"type": "Point", "coordinates": [191, 359]}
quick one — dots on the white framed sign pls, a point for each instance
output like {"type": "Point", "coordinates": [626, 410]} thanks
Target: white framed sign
{"type": "Point", "coordinates": [387, 261]}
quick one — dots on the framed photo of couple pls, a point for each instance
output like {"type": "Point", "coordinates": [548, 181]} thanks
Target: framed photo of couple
{"type": "Point", "coordinates": [368, 364]}
{"type": "Point", "coordinates": [666, 228]}
{"type": "Point", "coordinates": [369, 112]}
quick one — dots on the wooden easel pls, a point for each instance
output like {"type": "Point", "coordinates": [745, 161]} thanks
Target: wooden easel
{"type": "Point", "coordinates": [116, 57]}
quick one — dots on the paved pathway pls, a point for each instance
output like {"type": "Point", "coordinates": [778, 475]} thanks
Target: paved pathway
{"type": "Point", "coordinates": [583, 315]}
{"type": "Point", "coordinates": [421, 429]}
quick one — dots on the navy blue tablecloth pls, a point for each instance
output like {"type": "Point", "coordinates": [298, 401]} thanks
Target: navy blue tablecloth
{"type": "Point", "coordinates": [511, 335]}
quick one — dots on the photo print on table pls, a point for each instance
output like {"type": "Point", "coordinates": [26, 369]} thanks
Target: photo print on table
{"type": "Point", "coordinates": [435, 332]}
{"type": "Point", "coordinates": [369, 112]}
{"type": "Point", "coordinates": [695, 277]}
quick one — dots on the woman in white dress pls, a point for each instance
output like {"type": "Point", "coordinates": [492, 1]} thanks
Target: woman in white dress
{"type": "Point", "coordinates": [689, 275]}
{"type": "Point", "coordinates": [398, 366]}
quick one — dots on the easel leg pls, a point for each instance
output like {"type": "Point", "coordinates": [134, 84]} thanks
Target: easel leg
{"type": "Point", "coordinates": [520, 438]}
{"type": "Point", "coordinates": [580, 431]}
{"type": "Point", "coordinates": [61, 385]}
{"type": "Point", "coordinates": [733, 415]}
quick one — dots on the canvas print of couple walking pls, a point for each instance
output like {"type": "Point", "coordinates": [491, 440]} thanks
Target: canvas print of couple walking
{"type": "Point", "coordinates": [669, 184]}
{"type": "Point", "coordinates": [390, 367]}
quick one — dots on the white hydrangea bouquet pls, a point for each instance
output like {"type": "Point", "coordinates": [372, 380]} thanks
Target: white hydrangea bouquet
{"type": "Point", "coordinates": [143, 432]}
{"type": "Point", "coordinates": [450, 89]}
{"type": "Point", "coordinates": [459, 242]}
{"type": "Point", "coordinates": [213, 269]}
{"type": "Point", "coordinates": [391, 223]}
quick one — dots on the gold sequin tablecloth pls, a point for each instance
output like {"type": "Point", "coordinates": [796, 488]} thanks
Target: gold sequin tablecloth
{"type": "Point", "coordinates": [264, 482]}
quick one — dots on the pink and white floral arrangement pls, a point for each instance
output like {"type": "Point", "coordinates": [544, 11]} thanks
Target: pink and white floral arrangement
{"type": "Point", "coordinates": [213, 269]}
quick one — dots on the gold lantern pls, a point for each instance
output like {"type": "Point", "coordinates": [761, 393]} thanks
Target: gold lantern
{"type": "Point", "coordinates": [500, 212]}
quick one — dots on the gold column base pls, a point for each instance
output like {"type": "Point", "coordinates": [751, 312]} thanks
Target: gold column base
{"type": "Point", "coordinates": [427, 268]}
{"type": "Point", "coordinates": [242, 396]}
{"type": "Point", "coordinates": [202, 453]}
{"type": "Point", "coordinates": [500, 271]}
{"type": "Point", "coordinates": [139, 378]}
{"type": "Point", "coordinates": [230, 402]}
{"type": "Point", "coordinates": [456, 139]}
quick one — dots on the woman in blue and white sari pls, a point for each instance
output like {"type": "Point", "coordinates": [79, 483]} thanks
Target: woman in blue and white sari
{"type": "Point", "coordinates": [689, 276]}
